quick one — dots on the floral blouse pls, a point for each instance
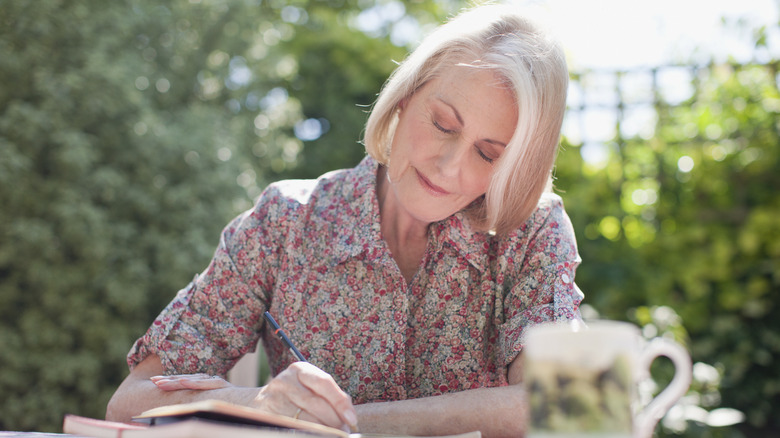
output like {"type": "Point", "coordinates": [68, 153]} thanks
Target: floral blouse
{"type": "Point", "coordinates": [311, 252]}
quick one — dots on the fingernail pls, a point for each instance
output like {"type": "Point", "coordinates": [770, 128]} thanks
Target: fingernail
{"type": "Point", "coordinates": [351, 419]}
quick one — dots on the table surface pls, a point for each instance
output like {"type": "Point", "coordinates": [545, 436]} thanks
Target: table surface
{"type": "Point", "coordinates": [8, 434]}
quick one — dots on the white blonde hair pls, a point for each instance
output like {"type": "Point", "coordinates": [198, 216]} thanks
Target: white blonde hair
{"type": "Point", "coordinates": [532, 66]}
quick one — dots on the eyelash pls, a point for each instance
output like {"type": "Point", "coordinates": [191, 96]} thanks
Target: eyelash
{"type": "Point", "coordinates": [441, 128]}
{"type": "Point", "coordinates": [484, 157]}
{"type": "Point", "coordinates": [449, 131]}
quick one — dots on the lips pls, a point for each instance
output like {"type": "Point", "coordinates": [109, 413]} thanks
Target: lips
{"type": "Point", "coordinates": [429, 186]}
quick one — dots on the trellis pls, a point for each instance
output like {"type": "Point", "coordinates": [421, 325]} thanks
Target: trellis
{"type": "Point", "coordinates": [608, 107]}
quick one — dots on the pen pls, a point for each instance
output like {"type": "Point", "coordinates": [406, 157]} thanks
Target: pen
{"type": "Point", "coordinates": [280, 333]}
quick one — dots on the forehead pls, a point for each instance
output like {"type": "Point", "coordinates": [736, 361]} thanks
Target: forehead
{"type": "Point", "coordinates": [470, 83]}
{"type": "Point", "coordinates": [479, 95]}
{"type": "Point", "coordinates": [472, 72]}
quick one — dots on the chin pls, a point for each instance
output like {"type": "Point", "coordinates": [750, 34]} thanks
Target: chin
{"type": "Point", "coordinates": [426, 214]}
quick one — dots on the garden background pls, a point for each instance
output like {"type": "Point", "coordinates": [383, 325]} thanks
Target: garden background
{"type": "Point", "coordinates": [132, 131]}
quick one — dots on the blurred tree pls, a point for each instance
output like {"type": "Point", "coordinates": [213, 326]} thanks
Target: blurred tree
{"type": "Point", "coordinates": [689, 219]}
{"type": "Point", "coordinates": [112, 198]}
{"type": "Point", "coordinates": [130, 133]}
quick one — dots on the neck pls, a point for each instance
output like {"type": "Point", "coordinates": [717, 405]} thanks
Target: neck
{"type": "Point", "coordinates": [396, 223]}
{"type": "Point", "coordinates": [406, 236]}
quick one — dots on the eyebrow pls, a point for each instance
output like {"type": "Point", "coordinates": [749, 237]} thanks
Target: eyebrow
{"type": "Point", "coordinates": [454, 110]}
{"type": "Point", "coordinates": [460, 120]}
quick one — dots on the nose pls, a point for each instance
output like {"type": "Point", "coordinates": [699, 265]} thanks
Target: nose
{"type": "Point", "coordinates": [451, 157]}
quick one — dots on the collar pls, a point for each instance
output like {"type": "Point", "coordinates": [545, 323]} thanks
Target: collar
{"type": "Point", "coordinates": [456, 231]}
{"type": "Point", "coordinates": [360, 202]}
{"type": "Point", "coordinates": [366, 236]}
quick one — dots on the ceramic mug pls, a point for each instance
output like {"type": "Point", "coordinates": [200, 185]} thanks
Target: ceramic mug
{"type": "Point", "coordinates": [583, 380]}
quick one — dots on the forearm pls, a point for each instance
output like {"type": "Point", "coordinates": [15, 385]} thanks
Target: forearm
{"type": "Point", "coordinates": [135, 397]}
{"type": "Point", "coordinates": [496, 412]}
{"type": "Point", "coordinates": [302, 390]}
{"type": "Point", "coordinates": [137, 393]}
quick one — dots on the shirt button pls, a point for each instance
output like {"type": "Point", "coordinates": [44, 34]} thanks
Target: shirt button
{"type": "Point", "coordinates": [565, 278]}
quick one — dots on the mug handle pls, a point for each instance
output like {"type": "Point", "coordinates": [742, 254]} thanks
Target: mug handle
{"type": "Point", "coordinates": [646, 420]}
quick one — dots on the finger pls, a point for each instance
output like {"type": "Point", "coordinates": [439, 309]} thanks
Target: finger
{"type": "Point", "coordinates": [285, 394]}
{"type": "Point", "coordinates": [316, 409]}
{"type": "Point", "coordinates": [169, 385]}
{"type": "Point", "coordinates": [215, 382]}
{"type": "Point", "coordinates": [305, 416]}
{"type": "Point", "coordinates": [189, 381]}
{"type": "Point", "coordinates": [323, 385]}
{"type": "Point", "coordinates": [181, 376]}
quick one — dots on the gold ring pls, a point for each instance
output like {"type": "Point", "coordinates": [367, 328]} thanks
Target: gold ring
{"type": "Point", "coordinates": [297, 413]}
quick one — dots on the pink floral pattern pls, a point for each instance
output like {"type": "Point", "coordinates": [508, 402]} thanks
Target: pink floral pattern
{"type": "Point", "coordinates": [311, 252]}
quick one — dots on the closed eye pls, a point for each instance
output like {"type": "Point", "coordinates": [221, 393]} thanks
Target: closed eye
{"type": "Point", "coordinates": [489, 150]}
{"type": "Point", "coordinates": [441, 128]}
{"type": "Point", "coordinates": [483, 156]}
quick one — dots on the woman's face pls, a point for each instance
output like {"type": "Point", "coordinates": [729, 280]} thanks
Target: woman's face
{"type": "Point", "coordinates": [449, 135]}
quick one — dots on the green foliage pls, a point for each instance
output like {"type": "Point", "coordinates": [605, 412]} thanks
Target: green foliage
{"type": "Point", "coordinates": [113, 197]}
{"type": "Point", "coordinates": [707, 245]}
{"type": "Point", "coordinates": [130, 133]}
{"type": "Point", "coordinates": [342, 95]}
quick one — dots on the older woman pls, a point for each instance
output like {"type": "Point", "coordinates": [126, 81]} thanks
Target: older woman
{"type": "Point", "coordinates": [407, 281]}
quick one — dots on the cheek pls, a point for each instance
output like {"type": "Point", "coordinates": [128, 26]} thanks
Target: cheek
{"type": "Point", "coordinates": [399, 158]}
{"type": "Point", "coordinates": [478, 181]}
{"type": "Point", "coordinates": [411, 143]}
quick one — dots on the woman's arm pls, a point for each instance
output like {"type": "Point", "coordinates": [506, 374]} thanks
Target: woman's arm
{"type": "Point", "coordinates": [301, 386]}
{"type": "Point", "coordinates": [138, 393]}
{"type": "Point", "coordinates": [496, 412]}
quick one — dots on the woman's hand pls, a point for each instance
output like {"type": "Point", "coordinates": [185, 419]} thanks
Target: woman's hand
{"type": "Point", "coordinates": [309, 393]}
{"type": "Point", "coordinates": [189, 381]}
{"type": "Point", "coordinates": [301, 391]}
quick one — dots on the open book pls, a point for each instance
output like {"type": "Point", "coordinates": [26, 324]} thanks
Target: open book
{"type": "Point", "coordinates": [190, 428]}
{"type": "Point", "coordinates": [219, 411]}
{"type": "Point", "coordinates": [211, 418]}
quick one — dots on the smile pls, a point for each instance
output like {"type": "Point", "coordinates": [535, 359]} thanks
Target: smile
{"type": "Point", "coordinates": [429, 186]}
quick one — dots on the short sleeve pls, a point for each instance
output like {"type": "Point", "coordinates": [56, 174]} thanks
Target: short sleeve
{"type": "Point", "coordinates": [216, 319]}
{"type": "Point", "coordinates": [545, 290]}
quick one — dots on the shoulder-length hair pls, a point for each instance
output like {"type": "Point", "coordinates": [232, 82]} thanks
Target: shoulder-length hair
{"type": "Point", "coordinates": [532, 65]}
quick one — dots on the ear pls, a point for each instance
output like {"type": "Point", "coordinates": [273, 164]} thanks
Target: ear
{"type": "Point", "coordinates": [402, 104]}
